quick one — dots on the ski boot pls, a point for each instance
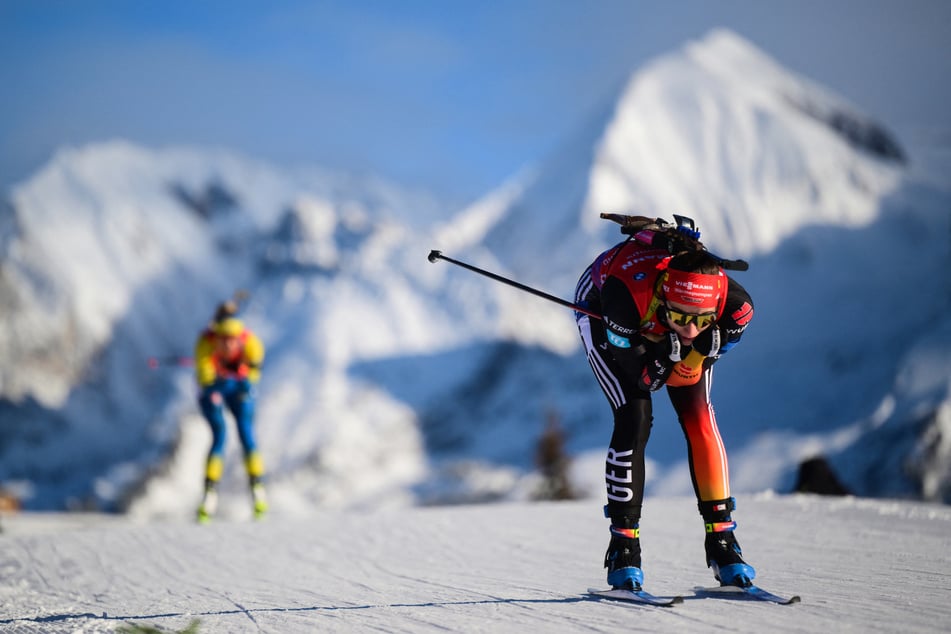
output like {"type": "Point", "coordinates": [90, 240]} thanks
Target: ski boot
{"type": "Point", "coordinates": [209, 504]}
{"type": "Point", "coordinates": [623, 558]}
{"type": "Point", "coordinates": [214, 467]}
{"type": "Point", "coordinates": [255, 466]}
{"type": "Point", "coordinates": [724, 555]}
{"type": "Point", "coordinates": [258, 498]}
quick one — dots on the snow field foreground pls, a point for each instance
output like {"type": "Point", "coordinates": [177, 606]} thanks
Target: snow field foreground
{"type": "Point", "coordinates": [860, 566]}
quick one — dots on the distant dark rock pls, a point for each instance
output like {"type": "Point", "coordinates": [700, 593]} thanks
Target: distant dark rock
{"type": "Point", "coordinates": [858, 131]}
{"type": "Point", "coordinates": [816, 476]}
{"type": "Point", "coordinates": [212, 201]}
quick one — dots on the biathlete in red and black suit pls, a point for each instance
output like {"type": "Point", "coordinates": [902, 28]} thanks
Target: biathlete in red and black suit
{"type": "Point", "coordinates": [666, 319]}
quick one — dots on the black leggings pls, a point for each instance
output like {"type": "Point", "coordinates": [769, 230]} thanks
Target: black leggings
{"type": "Point", "coordinates": [633, 416]}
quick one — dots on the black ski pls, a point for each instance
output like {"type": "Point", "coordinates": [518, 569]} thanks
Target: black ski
{"type": "Point", "coordinates": [754, 593]}
{"type": "Point", "coordinates": [635, 596]}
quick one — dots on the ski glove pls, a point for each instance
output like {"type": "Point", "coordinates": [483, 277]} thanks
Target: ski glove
{"type": "Point", "coordinates": [707, 343]}
{"type": "Point", "coordinates": [210, 396]}
{"type": "Point", "coordinates": [659, 362]}
{"type": "Point", "coordinates": [688, 371]}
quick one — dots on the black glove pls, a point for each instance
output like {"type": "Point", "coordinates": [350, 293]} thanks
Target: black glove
{"type": "Point", "coordinates": [659, 361]}
{"type": "Point", "coordinates": [707, 342]}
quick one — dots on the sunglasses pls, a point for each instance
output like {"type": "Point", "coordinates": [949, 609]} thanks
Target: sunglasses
{"type": "Point", "coordinates": [685, 319]}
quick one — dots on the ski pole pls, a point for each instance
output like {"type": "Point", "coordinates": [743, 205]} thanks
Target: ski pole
{"type": "Point", "coordinates": [437, 255]}
{"type": "Point", "coordinates": [182, 362]}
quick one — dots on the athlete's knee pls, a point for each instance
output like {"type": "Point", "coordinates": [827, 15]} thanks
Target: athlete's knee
{"type": "Point", "coordinates": [636, 418]}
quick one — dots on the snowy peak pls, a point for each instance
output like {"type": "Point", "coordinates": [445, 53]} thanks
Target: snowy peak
{"type": "Point", "coordinates": [312, 235]}
{"type": "Point", "coordinates": [735, 60]}
{"type": "Point", "coordinates": [717, 131]}
{"type": "Point", "coordinates": [722, 133]}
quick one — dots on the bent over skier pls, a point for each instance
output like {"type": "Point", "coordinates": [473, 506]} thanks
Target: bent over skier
{"type": "Point", "coordinates": [228, 359]}
{"type": "Point", "coordinates": [667, 314]}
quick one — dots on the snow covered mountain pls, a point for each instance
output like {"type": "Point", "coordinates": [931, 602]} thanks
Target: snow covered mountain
{"type": "Point", "coordinates": [718, 132]}
{"type": "Point", "coordinates": [393, 381]}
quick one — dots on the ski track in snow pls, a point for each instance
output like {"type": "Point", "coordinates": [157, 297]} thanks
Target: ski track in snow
{"type": "Point", "coordinates": [860, 566]}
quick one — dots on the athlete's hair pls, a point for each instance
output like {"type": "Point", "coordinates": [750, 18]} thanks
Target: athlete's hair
{"type": "Point", "coordinates": [225, 310]}
{"type": "Point", "coordinates": [694, 262]}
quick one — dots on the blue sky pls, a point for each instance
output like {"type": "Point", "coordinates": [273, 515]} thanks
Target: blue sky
{"type": "Point", "coordinates": [454, 96]}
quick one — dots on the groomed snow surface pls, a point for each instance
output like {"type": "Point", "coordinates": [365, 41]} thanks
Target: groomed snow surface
{"type": "Point", "coordinates": [859, 565]}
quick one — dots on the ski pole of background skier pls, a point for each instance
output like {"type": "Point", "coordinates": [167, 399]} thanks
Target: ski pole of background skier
{"type": "Point", "coordinates": [170, 361]}
{"type": "Point", "coordinates": [437, 255]}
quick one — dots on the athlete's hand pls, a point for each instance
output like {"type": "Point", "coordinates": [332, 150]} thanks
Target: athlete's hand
{"type": "Point", "coordinates": [688, 371]}
{"type": "Point", "coordinates": [211, 394]}
{"type": "Point", "coordinates": [673, 346]}
{"type": "Point", "coordinates": [659, 362]}
{"type": "Point", "coordinates": [707, 342]}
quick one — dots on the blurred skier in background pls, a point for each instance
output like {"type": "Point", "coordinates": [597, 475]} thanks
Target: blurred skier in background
{"type": "Point", "coordinates": [228, 359]}
{"type": "Point", "coordinates": [669, 311]}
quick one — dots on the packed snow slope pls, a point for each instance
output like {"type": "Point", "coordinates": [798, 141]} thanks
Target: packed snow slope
{"type": "Point", "coordinates": [391, 381]}
{"type": "Point", "coordinates": [862, 566]}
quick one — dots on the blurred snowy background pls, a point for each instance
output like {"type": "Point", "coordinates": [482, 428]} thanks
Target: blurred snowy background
{"type": "Point", "coordinates": [391, 381]}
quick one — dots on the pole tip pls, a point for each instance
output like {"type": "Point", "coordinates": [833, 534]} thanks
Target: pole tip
{"type": "Point", "coordinates": [434, 255]}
